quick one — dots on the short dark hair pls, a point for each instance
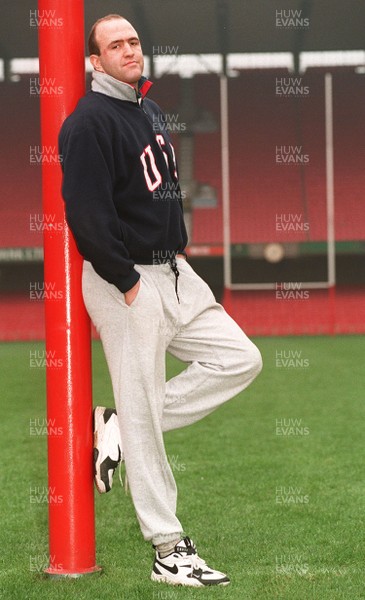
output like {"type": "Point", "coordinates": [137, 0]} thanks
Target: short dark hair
{"type": "Point", "coordinates": [92, 43]}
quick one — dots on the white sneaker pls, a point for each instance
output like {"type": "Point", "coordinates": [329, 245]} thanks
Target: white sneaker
{"type": "Point", "coordinates": [184, 567]}
{"type": "Point", "coordinates": [107, 447]}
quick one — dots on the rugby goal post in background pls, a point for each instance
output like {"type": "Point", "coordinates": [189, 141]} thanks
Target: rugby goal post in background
{"type": "Point", "coordinates": [68, 338]}
{"type": "Point", "coordinates": [226, 204]}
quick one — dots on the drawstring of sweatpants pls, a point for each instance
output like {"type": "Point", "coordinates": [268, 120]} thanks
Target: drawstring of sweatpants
{"type": "Point", "coordinates": [175, 270]}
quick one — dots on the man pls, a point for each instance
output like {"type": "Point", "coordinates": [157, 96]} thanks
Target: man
{"type": "Point", "coordinates": [141, 293]}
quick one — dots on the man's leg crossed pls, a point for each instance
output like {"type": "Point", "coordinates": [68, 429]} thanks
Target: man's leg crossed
{"type": "Point", "coordinates": [222, 360]}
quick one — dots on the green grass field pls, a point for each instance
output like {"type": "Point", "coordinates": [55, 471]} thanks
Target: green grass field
{"type": "Point", "coordinates": [271, 486]}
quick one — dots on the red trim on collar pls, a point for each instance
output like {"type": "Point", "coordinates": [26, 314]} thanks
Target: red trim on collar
{"type": "Point", "coordinates": [145, 87]}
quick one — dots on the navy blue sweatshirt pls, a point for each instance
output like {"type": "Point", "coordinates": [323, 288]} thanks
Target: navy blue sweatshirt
{"type": "Point", "coordinates": [120, 182]}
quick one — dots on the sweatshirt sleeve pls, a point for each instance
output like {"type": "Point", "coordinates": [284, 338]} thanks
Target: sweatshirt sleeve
{"type": "Point", "coordinates": [87, 163]}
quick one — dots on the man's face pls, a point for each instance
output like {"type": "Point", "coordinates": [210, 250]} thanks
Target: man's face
{"type": "Point", "coordinates": [120, 51]}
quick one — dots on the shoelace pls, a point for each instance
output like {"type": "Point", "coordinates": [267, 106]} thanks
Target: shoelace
{"type": "Point", "coordinates": [117, 441]}
{"type": "Point", "coordinates": [197, 562]}
{"type": "Point", "coordinates": [125, 484]}
{"type": "Point", "coordinates": [192, 554]}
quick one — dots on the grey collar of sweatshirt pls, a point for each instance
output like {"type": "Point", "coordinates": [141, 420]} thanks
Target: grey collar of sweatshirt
{"type": "Point", "coordinates": [106, 84]}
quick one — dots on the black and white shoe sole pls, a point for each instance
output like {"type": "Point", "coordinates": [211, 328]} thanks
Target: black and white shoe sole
{"type": "Point", "coordinates": [176, 580]}
{"type": "Point", "coordinates": [102, 464]}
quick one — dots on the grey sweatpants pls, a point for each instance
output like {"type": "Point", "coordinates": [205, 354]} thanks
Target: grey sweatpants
{"type": "Point", "coordinates": [222, 361]}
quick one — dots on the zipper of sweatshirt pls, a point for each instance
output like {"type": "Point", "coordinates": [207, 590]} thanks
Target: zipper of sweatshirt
{"type": "Point", "coordinates": [171, 261]}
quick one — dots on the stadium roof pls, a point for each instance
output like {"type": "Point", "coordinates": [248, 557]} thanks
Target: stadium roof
{"type": "Point", "coordinates": [209, 26]}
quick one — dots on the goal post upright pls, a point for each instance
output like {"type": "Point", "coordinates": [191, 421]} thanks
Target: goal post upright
{"type": "Point", "coordinates": [330, 196]}
{"type": "Point", "coordinates": [68, 339]}
{"type": "Point", "coordinates": [330, 282]}
{"type": "Point", "coordinates": [331, 254]}
{"type": "Point", "coordinates": [224, 114]}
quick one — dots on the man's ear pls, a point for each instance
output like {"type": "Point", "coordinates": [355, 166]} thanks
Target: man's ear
{"type": "Point", "coordinates": [95, 61]}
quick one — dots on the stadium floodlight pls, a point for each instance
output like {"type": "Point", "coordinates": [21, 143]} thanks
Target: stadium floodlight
{"type": "Point", "coordinates": [69, 406]}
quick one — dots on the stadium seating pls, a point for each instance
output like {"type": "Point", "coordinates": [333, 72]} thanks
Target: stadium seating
{"type": "Point", "coordinates": [21, 188]}
{"type": "Point", "coordinates": [260, 121]}
{"type": "Point", "coordinates": [261, 189]}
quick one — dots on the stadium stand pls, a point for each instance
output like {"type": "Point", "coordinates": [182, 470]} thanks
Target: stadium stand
{"type": "Point", "coordinates": [260, 121]}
